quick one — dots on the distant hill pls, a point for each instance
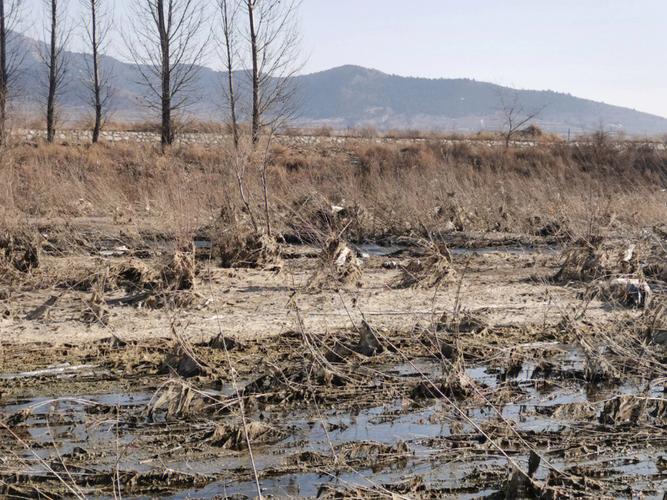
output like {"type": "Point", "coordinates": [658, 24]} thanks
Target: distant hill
{"type": "Point", "coordinates": [352, 96]}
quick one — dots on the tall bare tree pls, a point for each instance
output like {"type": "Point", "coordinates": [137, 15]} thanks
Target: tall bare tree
{"type": "Point", "coordinates": [57, 35]}
{"type": "Point", "coordinates": [229, 15]}
{"type": "Point", "coordinates": [515, 116]}
{"type": "Point", "coordinates": [273, 38]}
{"type": "Point", "coordinates": [167, 44]}
{"type": "Point", "coordinates": [262, 37]}
{"type": "Point", "coordinates": [97, 27]}
{"type": "Point", "coordinates": [9, 56]}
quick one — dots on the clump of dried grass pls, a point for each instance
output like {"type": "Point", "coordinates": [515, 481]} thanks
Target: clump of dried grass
{"type": "Point", "coordinates": [95, 311]}
{"type": "Point", "coordinates": [233, 437]}
{"type": "Point", "coordinates": [312, 216]}
{"type": "Point", "coordinates": [592, 259]}
{"type": "Point", "coordinates": [171, 283]}
{"type": "Point", "coordinates": [338, 265]}
{"type": "Point", "coordinates": [433, 269]}
{"type": "Point", "coordinates": [456, 385]}
{"type": "Point", "coordinates": [253, 250]}
{"type": "Point", "coordinates": [400, 186]}
{"type": "Point", "coordinates": [632, 410]}
{"type": "Point", "coordinates": [19, 252]}
{"type": "Point", "coordinates": [175, 399]}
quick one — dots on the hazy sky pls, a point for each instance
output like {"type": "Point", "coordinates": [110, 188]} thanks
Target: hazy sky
{"type": "Point", "coordinates": [609, 50]}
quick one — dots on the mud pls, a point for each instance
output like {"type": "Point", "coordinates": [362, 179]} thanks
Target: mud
{"type": "Point", "coordinates": [499, 382]}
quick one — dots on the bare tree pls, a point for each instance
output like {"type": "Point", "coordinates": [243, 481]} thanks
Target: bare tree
{"type": "Point", "coordinates": [167, 47]}
{"type": "Point", "coordinates": [273, 39]}
{"type": "Point", "coordinates": [261, 36]}
{"type": "Point", "coordinates": [274, 49]}
{"type": "Point", "coordinates": [97, 27]}
{"type": "Point", "coordinates": [228, 15]}
{"type": "Point", "coordinates": [515, 116]}
{"type": "Point", "coordinates": [53, 57]}
{"type": "Point", "coordinates": [10, 58]}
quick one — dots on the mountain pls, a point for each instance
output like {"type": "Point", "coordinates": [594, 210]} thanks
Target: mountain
{"type": "Point", "coordinates": [348, 96]}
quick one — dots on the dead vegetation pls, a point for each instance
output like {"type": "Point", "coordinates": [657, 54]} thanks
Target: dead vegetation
{"type": "Point", "coordinates": [338, 265]}
{"type": "Point", "coordinates": [19, 252]}
{"type": "Point", "coordinates": [591, 259]}
{"type": "Point", "coordinates": [433, 268]}
{"type": "Point", "coordinates": [384, 381]}
{"type": "Point", "coordinates": [254, 251]}
{"type": "Point", "coordinates": [294, 394]}
{"type": "Point", "coordinates": [377, 191]}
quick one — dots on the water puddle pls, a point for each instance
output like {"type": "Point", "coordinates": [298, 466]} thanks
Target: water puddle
{"type": "Point", "coordinates": [382, 444]}
{"type": "Point", "coordinates": [372, 250]}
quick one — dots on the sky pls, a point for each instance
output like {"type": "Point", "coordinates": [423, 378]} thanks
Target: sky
{"type": "Point", "coordinates": [607, 50]}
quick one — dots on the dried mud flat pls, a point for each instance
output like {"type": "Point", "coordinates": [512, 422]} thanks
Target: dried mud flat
{"type": "Point", "coordinates": [501, 377]}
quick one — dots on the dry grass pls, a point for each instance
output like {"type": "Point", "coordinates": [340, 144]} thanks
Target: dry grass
{"type": "Point", "coordinates": [419, 189]}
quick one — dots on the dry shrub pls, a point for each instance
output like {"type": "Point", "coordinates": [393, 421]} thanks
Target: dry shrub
{"type": "Point", "coordinates": [253, 251]}
{"type": "Point", "coordinates": [433, 269]}
{"type": "Point", "coordinates": [338, 265]}
{"type": "Point", "coordinates": [313, 217]}
{"type": "Point", "coordinates": [167, 284]}
{"type": "Point", "coordinates": [592, 259]}
{"type": "Point", "coordinates": [19, 251]}
{"type": "Point", "coordinates": [625, 291]}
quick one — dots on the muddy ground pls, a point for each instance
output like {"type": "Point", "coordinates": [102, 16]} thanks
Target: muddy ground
{"type": "Point", "coordinates": [497, 381]}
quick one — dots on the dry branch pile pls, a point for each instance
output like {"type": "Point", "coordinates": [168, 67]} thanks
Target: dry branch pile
{"type": "Point", "coordinates": [314, 216]}
{"type": "Point", "coordinates": [19, 252]}
{"type": "Point", "coordinates": [433, 269]}
{"type": "Point", "coordinates": [591, 259]}
{"type": "Point", "coordinates": [233, 437]}
{"type": "Point", "coordinates": [616, 274]}
{"type": "Point", "coordinates": [338, 265]}
{"type": "Point", "coordinates": [167, 284]}
{"type": "Point", "coordinates": [254, 251]}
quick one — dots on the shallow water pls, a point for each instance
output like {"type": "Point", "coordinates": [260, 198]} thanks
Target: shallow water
{"type": "Point", "coordinates": [85, 424]}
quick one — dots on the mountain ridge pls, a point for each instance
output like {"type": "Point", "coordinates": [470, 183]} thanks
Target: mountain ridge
{"type": "Point", "coordinates": [351, 96]}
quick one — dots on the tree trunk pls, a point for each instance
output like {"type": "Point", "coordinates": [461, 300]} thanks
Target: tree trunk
{"type": "Point", "coordinates": [227, 31]}
{"type": "Point", "coordinates": [96, 76]}
{"type": "Point", "coordinates": [255, 73]}
{"type": "Point", "coordinates": [3, 72]}
{"type": "Point", "coordinates": [167, 136]}
{"type": "Point", "coordinates": [232, 98]}
{"type": "Point", "coordinates": [53, 68]}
